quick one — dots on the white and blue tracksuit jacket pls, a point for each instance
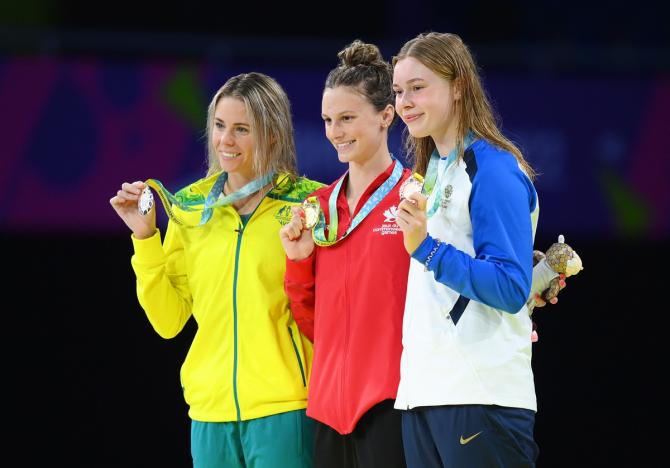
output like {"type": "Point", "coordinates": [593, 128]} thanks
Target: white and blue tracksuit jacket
{"type": "Point", "coordinates": [466, 329]}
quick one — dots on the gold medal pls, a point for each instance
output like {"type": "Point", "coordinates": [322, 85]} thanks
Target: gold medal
{"type": "Point", "coordinates": [311, 209]}
{"type": "Point", "coordinates": [411, 185]}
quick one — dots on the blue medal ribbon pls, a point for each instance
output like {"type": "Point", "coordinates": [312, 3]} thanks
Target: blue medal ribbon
{"type": "Point", "coordinates": [432, 178]}
{"type": "Point", "coordinates": [378, 195]}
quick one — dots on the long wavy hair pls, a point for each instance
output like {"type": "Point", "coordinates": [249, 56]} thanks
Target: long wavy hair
{"type": "Point", "coordinates": [448, 57]}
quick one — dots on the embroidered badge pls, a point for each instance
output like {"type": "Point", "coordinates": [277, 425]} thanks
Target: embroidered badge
{"type": "Point", "coordinates": [390, 224]}
{"type": "Point", "coordinates": [391, 215]}
{"type": "Point", "coordinates": [446, 195]}
{"type": "Point", "coordinates": [284, 215]}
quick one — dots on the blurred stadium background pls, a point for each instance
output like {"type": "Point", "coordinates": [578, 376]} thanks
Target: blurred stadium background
{"type": "Point", "coordinates": [96, 94]}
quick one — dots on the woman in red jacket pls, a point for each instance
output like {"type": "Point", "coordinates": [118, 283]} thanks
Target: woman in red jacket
{"type": "Point", "coordinates": [347, 291]}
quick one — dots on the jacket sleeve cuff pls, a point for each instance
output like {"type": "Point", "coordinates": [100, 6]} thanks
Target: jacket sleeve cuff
{"type": "Point", "coordinates": [149, 250]}
{"type": "Point", "coordinates": [300, 271]}
{"type": "Point", "coordinates": [423, 250]}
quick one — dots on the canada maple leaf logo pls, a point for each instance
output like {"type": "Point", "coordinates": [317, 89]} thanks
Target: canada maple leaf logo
{"type": "Point", "coordinates": [391, 214]}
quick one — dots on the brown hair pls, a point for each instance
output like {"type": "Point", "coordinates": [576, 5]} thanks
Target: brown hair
{"type": "Point", "coordinates": [447, 56]}
{"type": "Point", "coordinates": [363, 68]}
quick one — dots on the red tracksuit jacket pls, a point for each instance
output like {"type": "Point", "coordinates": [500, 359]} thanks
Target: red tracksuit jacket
{"type": "Point", "coordinates": [349, 298]}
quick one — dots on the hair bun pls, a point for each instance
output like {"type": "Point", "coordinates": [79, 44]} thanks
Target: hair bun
{"type": "Point", "coordinates": [360, 53]}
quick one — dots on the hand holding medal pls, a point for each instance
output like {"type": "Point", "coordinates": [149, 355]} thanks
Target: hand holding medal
{"type": "Point", "coordinates": [296, 235]}
{"type": "Point", "coordinates": [133, 203]}
{"type": "Point", "coordinates": [310, 212]}
{"type": "Point", "coordinates": [411, 216]}
{"type": "Point", "coordinates": [411, 185]}
{"type": "Point", "coordinates": [146, 201]}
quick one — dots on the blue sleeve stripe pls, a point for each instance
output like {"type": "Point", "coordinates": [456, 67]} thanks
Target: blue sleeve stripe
{"type": "Point", "coordinates": [500, 274]}
{"type": "Point", "coordinates": [471, 162]}
{"type": "Point", "coordinates": [471, 166]}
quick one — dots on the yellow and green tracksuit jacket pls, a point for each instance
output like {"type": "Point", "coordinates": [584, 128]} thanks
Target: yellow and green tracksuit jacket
{"type": "Point", "coordinates": [248, 358]}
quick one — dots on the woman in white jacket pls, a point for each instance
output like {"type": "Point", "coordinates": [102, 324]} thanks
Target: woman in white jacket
{"type": "Point", "coordinates": [466, 382]}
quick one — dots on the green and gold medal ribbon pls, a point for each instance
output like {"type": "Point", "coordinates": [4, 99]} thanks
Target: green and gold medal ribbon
{"type": "Point", "coordinates": [207, 204]}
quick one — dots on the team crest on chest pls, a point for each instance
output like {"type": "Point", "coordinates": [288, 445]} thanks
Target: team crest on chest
{"type": "Point", "coordinates": [391, 214]}
{"type": "Point", "coordinates": [283, 215]}
{"type": "Point", "coordinates": [446, 196]}
{"type": "Point", "coordinates": [389, 225]}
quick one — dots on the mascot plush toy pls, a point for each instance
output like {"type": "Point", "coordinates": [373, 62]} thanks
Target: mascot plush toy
{"type": "Point", "coordinates": [549, 268]}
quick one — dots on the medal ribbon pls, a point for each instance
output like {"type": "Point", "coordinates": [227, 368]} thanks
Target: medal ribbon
{"type": "Point", "coordinates": [206, 205]}
{"type": "Point", "coordinates": [431, 173]}
{"type": "Point", "coordinates": [383, 190]}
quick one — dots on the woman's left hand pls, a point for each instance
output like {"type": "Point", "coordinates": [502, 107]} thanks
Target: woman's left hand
{"type": "Point", "coordinates": [413, 221]}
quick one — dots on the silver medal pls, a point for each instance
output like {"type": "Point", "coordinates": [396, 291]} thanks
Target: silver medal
{"type": "Point", "coordinates": [146, 201]}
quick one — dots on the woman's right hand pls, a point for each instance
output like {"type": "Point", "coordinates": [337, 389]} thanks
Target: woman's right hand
{"type": "Point", "coordinates": [125, 205]}
{"type": "Point", "coordinates": [541, 300]}
{"type": "Point", "coordinates": [295, 238]}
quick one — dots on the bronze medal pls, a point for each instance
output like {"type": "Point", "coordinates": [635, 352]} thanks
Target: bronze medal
{"type": "Point", "coordinates": [411, 185]}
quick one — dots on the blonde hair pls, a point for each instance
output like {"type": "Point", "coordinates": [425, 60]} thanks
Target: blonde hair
{"type": "Point", "coordinates": [447, 56]}
{"type": "Point", "coordinates": [269, 112]}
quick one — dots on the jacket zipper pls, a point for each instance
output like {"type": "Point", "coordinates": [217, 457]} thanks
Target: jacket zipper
{"type": "Point", "coordinates": [240, 231]}
{"type": "Point", "coordinates": [346, 330]}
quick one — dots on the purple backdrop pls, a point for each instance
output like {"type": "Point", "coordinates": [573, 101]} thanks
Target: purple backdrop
{"type": "Point", "coordinates": [74, 129]}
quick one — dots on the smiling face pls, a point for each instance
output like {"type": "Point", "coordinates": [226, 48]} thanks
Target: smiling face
{"type": "Point", "coordinates": [356, 130]}
{"type": "Point", "coordinates": [232, 139]}
{"type": "Point", "coordinates": [424, 100]}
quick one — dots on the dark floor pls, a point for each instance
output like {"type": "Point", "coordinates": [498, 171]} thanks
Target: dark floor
{"type": "Point", "coordinates": [88, 382]}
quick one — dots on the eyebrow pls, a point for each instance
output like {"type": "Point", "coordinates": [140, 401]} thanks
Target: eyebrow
{"type": "Point", "coordinates": [410, 81]}
{"type": "Point", "coordinates": [236, 123]}
{"type": "Point", "coordinates": [340, 113]}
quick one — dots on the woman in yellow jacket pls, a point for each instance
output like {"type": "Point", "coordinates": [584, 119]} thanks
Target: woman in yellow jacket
{"type": "Point", "coordinates": [245, 376]}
